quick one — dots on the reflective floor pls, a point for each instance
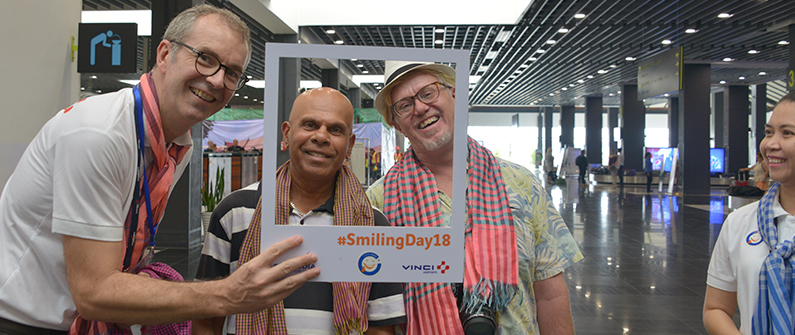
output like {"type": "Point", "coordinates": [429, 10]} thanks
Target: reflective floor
{"type": "Point", "coordinates": [646, 257]}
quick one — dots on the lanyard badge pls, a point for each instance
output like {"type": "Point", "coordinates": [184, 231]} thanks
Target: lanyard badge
{"type": "Point", "coordinates": [137, 194]}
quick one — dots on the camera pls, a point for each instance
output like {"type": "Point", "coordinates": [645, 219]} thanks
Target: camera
{"type": "Point", "coordinates": [480, 322]}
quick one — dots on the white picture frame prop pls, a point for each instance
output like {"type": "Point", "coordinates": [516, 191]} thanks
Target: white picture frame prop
{"type": "Point", "coordinates": [371, 254]}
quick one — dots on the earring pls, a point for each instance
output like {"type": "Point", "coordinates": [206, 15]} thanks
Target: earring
{"type": "Point", "coordinates": [283, 145]}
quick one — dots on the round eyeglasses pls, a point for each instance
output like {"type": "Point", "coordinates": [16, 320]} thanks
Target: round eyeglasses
{"type": "Point", "coordinates": [427, 94]}
{"type": "Point", "coordinates": [208, 65]}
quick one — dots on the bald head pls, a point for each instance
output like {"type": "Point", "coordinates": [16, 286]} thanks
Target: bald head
{"type": "Point", "coordinates": [325, 99]}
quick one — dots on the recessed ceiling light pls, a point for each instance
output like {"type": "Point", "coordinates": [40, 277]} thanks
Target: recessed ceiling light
{"type": "Point", "coordinates": [245, 97]}
{"type": "Point", "coordinates": [439, 30]}
{"type": "Point", "coordinates": [601, 71]}
{"type": "Point", "coordinates": [523, 66]}
{"type": "Point", "coordinates": [249, 77]}
{"type": "Point", "coordinates": [613, 66]}
{"type": "Point", "coordinates": [666, 42]}
{"type": "Point", "coordinates": [552, 94]}
{"type": "Point", "coordinates": [783, 42]}
{"type": "Point", "coordinates": [331, 31]}
{"type": "Point", "coordinates": [359, 65]}
{"type": "Point", "coordinates": [580, 81]}
{"type": "Point", "coordinates": [572, 85]}
{"type": "Point", "coordinates": [565, 89]}
{"type": "Point", "coordinates": [725, 15]}
{"type": "Point", "coordinates": [728, 59]}
{"type": "Point", "coordinates": [551, 41]}
{"type": "Point", "coordinates": [722, 82]}
{"type": "Point", "coordinates": [630, 58]}
{"type": "Point", "coordinates": [255, 99]}
{"type": "Point", "coordinates": [753, 52]}
{"type": "Point", "coordinates": [365, 72]}
{"type": "Point", "coordinates": [237, 94]}
{"type": "Point", "coordinates": [762, 73]}
{"type": "Point", "coordinates": [540, 51]}
{"type": "Point", "coordinates": [438, 42]}
{"type": "Point", "coordinates": [532, 59]}
{"type": "Point", "coordinates": [579, 16]}
{"type": "Point", "coordinates": [93, 77]}
{"type": "Point", "coordinates": [354, 59]}
{"type": "Point", "coordinates": [741, 78]}
{"type": "Point", "coordinates": [82, 88]}
{"type": "Point", "coordinates": [99, 91]}
{"type": "Point", "coordinates": [590, 76]}
{"type": "Point", "coordinates": [690, 31]}
{"type": "Point", "coordinates": [563, 30]}
{"type": "Point", "coordinates": [619, 92]}
{"type": "Point", "coordinates": [611, 94]}
{"type": "Point", "coordinates": [338, 42]}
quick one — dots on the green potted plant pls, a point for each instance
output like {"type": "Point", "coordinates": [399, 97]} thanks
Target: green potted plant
{"type": "Point", "coordinates": [211, 196]}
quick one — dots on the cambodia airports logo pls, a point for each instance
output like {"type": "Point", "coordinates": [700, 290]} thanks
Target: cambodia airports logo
{"type": "Point", "coordinates": [369, 264]}
{"type": "Point", "coordinates": [753, 238]}
{"type": "Point", "coordinates": [427, 268]}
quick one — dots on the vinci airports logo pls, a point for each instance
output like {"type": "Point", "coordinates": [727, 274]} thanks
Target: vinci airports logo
{"type": "Point", "coordinates": [427, 268]}
{"type": "Point", "coordinates": [369, 264]}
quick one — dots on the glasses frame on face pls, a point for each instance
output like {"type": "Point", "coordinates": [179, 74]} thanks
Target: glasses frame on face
{"type": "Point", "coordinates": [227, 70]}
{"type": "Point", "coordinates": [417, 96]}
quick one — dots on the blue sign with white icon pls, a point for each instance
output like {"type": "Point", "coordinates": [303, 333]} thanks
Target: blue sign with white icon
{"type": "Point", "coordinates": [107, 48]}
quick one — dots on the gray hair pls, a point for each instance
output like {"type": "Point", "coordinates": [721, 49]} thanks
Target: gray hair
{"type": "Point", "coordinates": [182, 25]}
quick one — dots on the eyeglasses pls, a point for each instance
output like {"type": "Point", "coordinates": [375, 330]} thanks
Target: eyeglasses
{"type": "Point", "coordinates": [208, 65]}
{"type": "Point", "coordinates": [427, 94]}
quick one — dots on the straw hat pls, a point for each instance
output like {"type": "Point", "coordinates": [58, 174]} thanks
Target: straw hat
{"type": "Point", "coordinates": [397, 69]}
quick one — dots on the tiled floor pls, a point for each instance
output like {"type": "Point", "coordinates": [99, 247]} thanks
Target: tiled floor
{"type": "Point", "coordinates": [646, 257]}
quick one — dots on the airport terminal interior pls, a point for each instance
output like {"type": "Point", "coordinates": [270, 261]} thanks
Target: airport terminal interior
{"type": "Point", "coordinates": [691, 81]}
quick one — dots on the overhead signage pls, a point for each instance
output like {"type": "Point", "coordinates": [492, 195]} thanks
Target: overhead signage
{"type": "Point", "coordinates": [107, 47]}
{"type": "Point", "coordinates": [370, 254]}
{"type": "Point", "coordinates": [660, 74]}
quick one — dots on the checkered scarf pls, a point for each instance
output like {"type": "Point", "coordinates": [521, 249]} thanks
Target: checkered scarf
{"type": "Point", "coordinates": [774, 307]}
{"type": "Point", "coordinates": [156, 271]}
{"type": "Point", "coordinates": [491, 267]}
{"type": "Point", "coordinates": [160, 173]}
{"type": "Point", "coordinates": [351, 208]}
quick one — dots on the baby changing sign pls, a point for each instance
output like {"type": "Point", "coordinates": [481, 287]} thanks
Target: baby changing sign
{"type": "Point", "coordinates": [369, 254]}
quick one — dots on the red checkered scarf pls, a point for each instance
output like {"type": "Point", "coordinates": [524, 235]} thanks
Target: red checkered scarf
{"type": "Point", "coordinates": [491, 267]}
{"type": "Point", "coordinates": [351, 208]}
{"type": "Point", "coordinates": [160, 173]}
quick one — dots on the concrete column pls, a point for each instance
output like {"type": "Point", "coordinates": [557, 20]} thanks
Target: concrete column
{"type": "Point", "coordinates": [633, 113]}
{"type": "Point", "coordinates": [693, 140]}
{"type": "Point", "coordinates": [330, 78]}
{"type": "Point", "coordinates": [45, 79]}
{"type": "Point", "coordinates": [355, 97]}
{"type": "Point", "coordinates": [547, 127]}
{"type": "Point", "coordinates": [567, 126]}
{"type": "Point", "coordinates": [735, 122]}
{"type": "Point", "coordinates": [759, 112]}
{"type": "Point", "coordinates": [540, 124]}
{"type": "Point", "coordinates": [790, 79]}
{"type": "Point", "coordinates": [673, 122]}
{"type": "Point", "coordinates": [289, 83]}
{"type": "Point", "coordinates": [718, 116]}
{"type": "Point", "coordinates": [593, 129]}
{"type": "Point", "coordinates": [612, 121]}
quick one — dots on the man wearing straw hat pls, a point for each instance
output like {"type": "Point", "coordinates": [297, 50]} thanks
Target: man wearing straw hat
{"type": "Point", "coordinates": [516, 245]}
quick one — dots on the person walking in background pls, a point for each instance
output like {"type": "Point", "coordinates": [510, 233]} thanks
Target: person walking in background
{"type": "Point", "coordinates": [582, 164]}
{"type": "Point", "coordinates": [611, 166]}
{"type": "Point", "coordinates": [752, 263]}
{"type": "Point", "coordinates": [620, 163]}
{"type": "Point", "coordinates": [549, 166]}
{"type": "Point", "coordinates": [648, 168]}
